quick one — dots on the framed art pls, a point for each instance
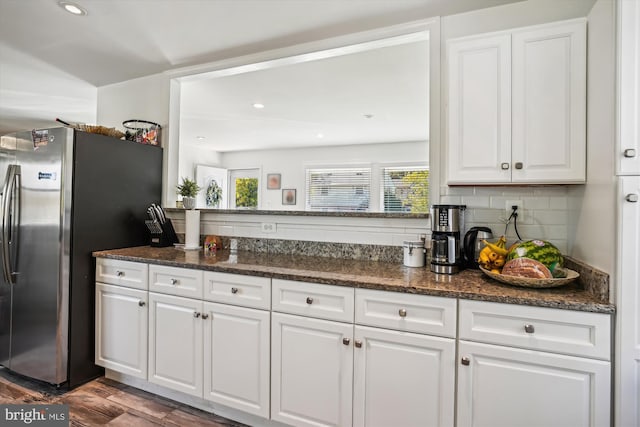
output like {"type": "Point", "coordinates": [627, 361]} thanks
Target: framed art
{"type": "Point", "coordinates": [273, 181]}
{"type": "Point", "coordinates": [289, 196]}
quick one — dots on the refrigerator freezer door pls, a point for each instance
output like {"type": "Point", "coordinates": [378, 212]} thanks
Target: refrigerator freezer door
{"type": "Point", "coordinates": [40, 295]}
{"type": "Point", "coordinates": [7, 157]}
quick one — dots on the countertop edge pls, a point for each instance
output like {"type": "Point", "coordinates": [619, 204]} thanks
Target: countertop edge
{"type": "Point", "coordinates": [362, 282]}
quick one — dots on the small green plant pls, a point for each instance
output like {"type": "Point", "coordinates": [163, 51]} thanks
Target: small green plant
{"type": "Point", "coordinates": [188, 188]}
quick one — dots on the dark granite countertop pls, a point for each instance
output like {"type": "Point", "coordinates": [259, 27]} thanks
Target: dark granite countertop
{"type": "Point", "coordinates": [468, 284]}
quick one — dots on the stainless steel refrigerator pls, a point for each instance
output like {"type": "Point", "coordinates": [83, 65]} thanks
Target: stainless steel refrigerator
{"type": "Point", "coordinates": [65, 193]}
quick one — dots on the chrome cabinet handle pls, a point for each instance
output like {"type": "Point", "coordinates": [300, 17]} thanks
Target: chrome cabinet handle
{"type": "Point", "coordinates": [309, 300]}
{"type": "Point", "coordinates": [504, 166]}
{"type": "Point", "coordinates": [518, 165]}
{"type": "Point", "coordinates": [402, 312]}
{"type": "Point", "coordinates": [631, 198]}
{"type": "Point", "coordinates": [528, 328]}
{"type": "Point", "coordinates": [141, 303]}
{"type": "Point", "coordinates": [196, 314]}
{"type": "Point", "coordinates": [465, 361]}
{"type": "Point", "coordinates": [120, 273]}
{"type": "Point", "coordinates": [234, 290]}
{"type": "Point", "coordinates": [205, 316]}
{"type": "Point", "coordinates": [346, 341]}
{"type": "Point", "coordinates": [174, 281]}
{"type": "Point", "coordinates": [630, 152]}
{"type": "Point", "coordinates": [357, 343]}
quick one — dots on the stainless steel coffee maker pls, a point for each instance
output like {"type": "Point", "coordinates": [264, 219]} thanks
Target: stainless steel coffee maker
{"type": "Point", "coordinates": [447, 223]}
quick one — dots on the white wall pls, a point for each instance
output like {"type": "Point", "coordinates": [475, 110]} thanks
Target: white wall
{"type": "Point", "coordinates": [593, 217]}
{"type": "Point", "coordinates": [291, 163]}
{"type": "Point", "coordinates": [33, 94]}
{"type": "Point", "coordinates": [547, 212]}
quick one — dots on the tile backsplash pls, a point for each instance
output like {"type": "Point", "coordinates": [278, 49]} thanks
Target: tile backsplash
{"type": "Point", "coordinates": [545, 210]}
{"type": "Point", "coordinates": [545, 215]}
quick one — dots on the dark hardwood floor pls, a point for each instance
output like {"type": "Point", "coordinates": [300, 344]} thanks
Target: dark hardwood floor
{"type": "Point", "coordinates": [106, 402]}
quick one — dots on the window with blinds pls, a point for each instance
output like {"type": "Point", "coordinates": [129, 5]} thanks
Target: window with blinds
{"type": "Point", "coordinates": [338, 189]}
{"type": "Point", "coordinates": [405, 189]}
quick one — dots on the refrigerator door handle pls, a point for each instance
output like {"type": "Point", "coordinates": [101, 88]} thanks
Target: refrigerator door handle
{"type": "Point", "coordinates": [10, 199]}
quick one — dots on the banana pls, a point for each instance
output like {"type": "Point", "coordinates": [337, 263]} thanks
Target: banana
{"type": "Point", "coordinates": [493, 256]}
{"type": "Point", "coordinates": [500, 250]}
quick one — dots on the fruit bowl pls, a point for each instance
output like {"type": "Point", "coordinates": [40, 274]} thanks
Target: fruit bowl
{"type": "Point", "coordinates": [529, 282]}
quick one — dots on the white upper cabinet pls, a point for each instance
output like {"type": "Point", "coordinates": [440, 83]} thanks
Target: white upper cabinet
{"type": "Point", "coordinates": [628, 140]}
{"type": "Point", "coordinates": [517, 106]}
{"type": "Point", "coordinates": [480, 110]}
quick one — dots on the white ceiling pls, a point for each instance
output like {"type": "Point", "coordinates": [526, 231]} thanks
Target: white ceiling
{"type": "Point", "coordinates": [120, 40]}
{"type": "Point", "coordinates": [123, 39]}
{"type": "Point", "coordinates": [371, 96]}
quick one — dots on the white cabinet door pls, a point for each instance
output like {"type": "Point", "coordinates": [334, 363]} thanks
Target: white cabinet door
{"type": "Point", "coordinates": [236, 357]}
{"type": "Point", "coordinates": [628, 141]}
{"type": "Point", "coordinates": [505, 387]}
{"type": "Point", "coordinates": [121, 329]}
{"type": "Point", "coordinates": [402, 379]}
{"type": "Point", "coordinates": [311, 371]}
{"type": "Point", "coordinates": [479, 124]}
{"type": "Point", "coordinates": [175, 343]}
{"type": "Point", "coordinates": [549, 104]}
{"type": "Point", "coordinates": [628, 372]}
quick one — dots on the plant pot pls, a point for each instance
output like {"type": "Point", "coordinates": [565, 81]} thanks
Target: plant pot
{"type": "Point", "coordinates": [189, 202]}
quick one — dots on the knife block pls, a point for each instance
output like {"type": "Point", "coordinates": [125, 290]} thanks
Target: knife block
{"type": "Point", "coordinates": [165, 236]}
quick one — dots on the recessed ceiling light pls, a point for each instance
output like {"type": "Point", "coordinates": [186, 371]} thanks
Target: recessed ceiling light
{"type": "Point", "coordinates": [200, 138]}
{"type": "Point", "coordinates": [258, 105]}
{"type": "Point", "coordinates": [72, 8]}
{"type": "Point", "coordinates": [320, 135]}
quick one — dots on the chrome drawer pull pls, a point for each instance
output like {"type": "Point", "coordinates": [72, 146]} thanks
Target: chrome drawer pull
{"type": "Point", "coordinates": [465, 361]}
{"type": "Point", "coordinates": [630, 152]}
{"type": "Point", "coordinates": [529, 328]}
{"type": "Point", "coordinates": [519, 165]}
{"type": "Point", "coordinates": [141, 303]}
{"type": "Point", "coordinates": [358, 343]}
{"type": "Point", "coordinates": [631, 198]}
{"type": "Point", "coordinates": [402, 312]}
{"type": "Point", "coordinates": [196, 314]}
{"type": "Point", "coordinates": [309, 300]}
{"type": "Point", "coordinates": [120, 273]}
{"type": "Point", "coordinates": [234, 290]}
{"type": "Point", "coordinates": [504, 166]}
{"type": "Point", "coordinates": [346, 341]}
{"type": "Point", "coordinates": [174, 281]}
{"type": "Point", "coordinates": [205, 316]}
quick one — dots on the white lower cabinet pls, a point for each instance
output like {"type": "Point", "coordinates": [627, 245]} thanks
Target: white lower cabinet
{"type": "Point", "coordinates": [236, 357]}
{"type": "Point", "coordinates": [175, 343]}
{"type": "Point", "coordinates": [517, 377]}
{"type": "Point", "coordinates": [402, 379]}
{"type": "Point", "coordinates": [312, 355]}
{"type": "Point", "coordinates": [311, 371]}
{"type": "Point", "coordinates": [121, 329]}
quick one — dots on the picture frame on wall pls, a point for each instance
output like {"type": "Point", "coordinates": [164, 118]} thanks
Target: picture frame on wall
{"type": "Point", "coordinates": [273, 181]}
{"type": "Point", "coordinates": [289, 196]}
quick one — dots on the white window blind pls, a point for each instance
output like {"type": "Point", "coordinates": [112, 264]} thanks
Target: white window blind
{"type": "Point", "coordinates": [405, 189]}
{"type": "Point", "coordinates": [338, 189]}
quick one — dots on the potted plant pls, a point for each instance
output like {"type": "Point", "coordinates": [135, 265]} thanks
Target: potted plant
{"type": "Point", "coordinates": [214, 194]}
{"type": "Point", "coordinates": [188, 190]}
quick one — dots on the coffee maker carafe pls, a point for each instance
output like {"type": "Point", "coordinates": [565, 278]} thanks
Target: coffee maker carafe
{"type": "Point", "coordinates": [447, 222]}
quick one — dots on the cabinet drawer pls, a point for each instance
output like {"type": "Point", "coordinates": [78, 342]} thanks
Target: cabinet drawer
{"type": "Point", "coordinates": [176, 281]}
{"type": "Point", "coordinates": [406, 312]}
{"type": "Point", "coordinates": [122, 273]}
{"type": "Point", "coordinates": [547, 329]}
{"type": "Point", "coordinates": [313, 300]}
{"type": "Point", "coordinates": [246, 291]}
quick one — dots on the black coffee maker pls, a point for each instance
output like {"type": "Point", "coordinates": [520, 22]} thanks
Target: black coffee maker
{"type": "Point", "coordinates": [447, 222]}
